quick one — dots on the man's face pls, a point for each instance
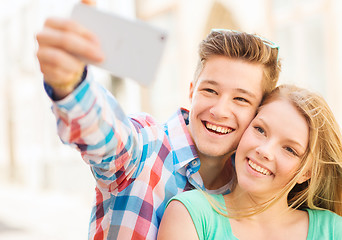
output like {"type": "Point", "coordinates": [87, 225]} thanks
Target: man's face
{"type": "Point", "coordinates": [223, 102]}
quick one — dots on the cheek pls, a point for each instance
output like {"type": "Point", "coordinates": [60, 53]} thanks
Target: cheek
{"type": "Point", "coordinates": [200, 104]}
{"type": "Point", "coordinates": [195, 100]}
{"type": "Point", "coordinates": [245, 144]}
{"type": "Point", "coordinates": [195, 109]}
{"type": "Point", "coordinates": [287, 167]}
{"type": "Point", "coordinates": [245, 116]}
{"type": "Point", "coordinates": [245, 120]}
{"type": "Point", "coordinates": [190, 126]}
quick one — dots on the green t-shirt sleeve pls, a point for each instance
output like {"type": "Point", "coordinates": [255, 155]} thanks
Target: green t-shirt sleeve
{"type": "Point", "coordinates": [208, 223]}
{"type": "Point", "coordinates": [324, 224]}
{"type": "Point", "coordinates": [195, 203]}
{"type": "Point", "coordinates": [338, 227]}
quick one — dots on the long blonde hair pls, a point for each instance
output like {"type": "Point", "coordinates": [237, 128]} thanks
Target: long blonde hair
{"type": "Point", "coordinates": [322, 159]}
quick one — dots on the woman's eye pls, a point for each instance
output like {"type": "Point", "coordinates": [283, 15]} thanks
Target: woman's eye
{"type": "Point", "coordinates": [290, 150]}
{"type": "Point", "coordinates": [260, 130]}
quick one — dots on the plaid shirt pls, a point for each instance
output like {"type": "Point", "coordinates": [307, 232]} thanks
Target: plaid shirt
{"type": "Point", "coordinates": [138, 164]}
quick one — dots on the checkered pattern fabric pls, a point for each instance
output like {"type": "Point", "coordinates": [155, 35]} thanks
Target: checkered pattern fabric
{"type": "Point", "coordinates": [138, 164]}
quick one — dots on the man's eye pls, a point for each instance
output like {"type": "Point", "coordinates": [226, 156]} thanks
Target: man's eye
{"type": "Point", "coordinates": [209, 90]}
{"type": "Point", "coordinates": [241, 99]}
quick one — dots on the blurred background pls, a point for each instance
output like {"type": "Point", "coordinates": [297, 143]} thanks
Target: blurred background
{"type": "Point", "coordinates": [46, 190]}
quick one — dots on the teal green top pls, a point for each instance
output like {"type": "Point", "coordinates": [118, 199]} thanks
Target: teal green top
{"type": "Point", "coordinates": [211, 225]}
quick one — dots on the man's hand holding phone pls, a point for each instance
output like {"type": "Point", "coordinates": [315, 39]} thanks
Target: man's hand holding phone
{"type": "Point", "coordinates": [64, 46]}
{"type": "Point", "coordinates": [125, 48]}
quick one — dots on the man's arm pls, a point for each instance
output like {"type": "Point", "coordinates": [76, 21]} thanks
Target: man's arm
{"type": "Point", "coordinates": [176, 223]}
{"type": "Point", "coordinates": [88, 117]}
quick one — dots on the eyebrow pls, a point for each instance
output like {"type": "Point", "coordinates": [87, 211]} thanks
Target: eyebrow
{"type": "Point", "coordinates": [244, 91]}
{"type": "Point", "coordinates": [299, 145]}
{"type": "Point", "coordinates": [241, 90]}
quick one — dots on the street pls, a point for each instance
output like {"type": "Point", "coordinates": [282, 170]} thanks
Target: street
{"type": "Point", "coordinates": [29, 215]}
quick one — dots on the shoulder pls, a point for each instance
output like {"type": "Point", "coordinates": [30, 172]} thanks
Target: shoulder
{"type": "Point", "coordinates": [207, 221]}
{"type": "Point", "coordinates": [144, 119]}
{"type": "Point", "coordinates": [147, 125]}
{"type": "Point", "coordinates": [177, 222]}
{"type": "Point", "coordinates": [189, 195]}
{"type": "Point", "coordinates": [191, 198]}
{"type": "Point", "coordinates": [325, 223]}
{"type": "Point", "coordinates": [187, 216]}
{"type": "Point", "coordinates": [324, 215]}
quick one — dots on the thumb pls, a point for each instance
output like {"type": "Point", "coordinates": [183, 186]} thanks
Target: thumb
{"type": "Point", "coordinates": [89, 2]}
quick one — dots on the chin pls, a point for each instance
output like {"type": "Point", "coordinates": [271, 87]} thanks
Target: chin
{"type": "Point", "coordinates": [212, 152]}
{"type": "Point", "coordinates": [246, 184]}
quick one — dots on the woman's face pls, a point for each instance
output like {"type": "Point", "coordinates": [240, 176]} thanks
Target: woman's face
{"type": "Point", "coordinates": [271, 149]}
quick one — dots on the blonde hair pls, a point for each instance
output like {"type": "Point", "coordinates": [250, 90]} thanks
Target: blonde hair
{"type": "Point", "coordinates": [322, 159]}
{"type": "Point", "coordinates": [247, 47]}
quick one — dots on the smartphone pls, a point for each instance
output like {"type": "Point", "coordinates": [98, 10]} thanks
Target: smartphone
{"type": "Point", "coordinates": [132, 48]}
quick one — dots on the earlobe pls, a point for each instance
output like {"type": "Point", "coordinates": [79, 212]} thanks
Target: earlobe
{"type": "Point", "coordinates": [306, 176]}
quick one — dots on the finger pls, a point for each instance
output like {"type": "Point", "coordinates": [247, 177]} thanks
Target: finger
{"type": "Point", "coordinates": [71, 43]}
{"type": "Point", "coordinates": [89, 2]}
{"type": "Point", "coordinates": [68, 25]}
{"type": "Point", "coordinates": [59, 69]}
{"type": "Point", "coordinates": [58, 58]}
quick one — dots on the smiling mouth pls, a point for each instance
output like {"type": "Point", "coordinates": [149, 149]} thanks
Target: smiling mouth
{"type": "Point", "coordinates": [258, 168]}
{"type": "Point", "coordinates": [218, 129]}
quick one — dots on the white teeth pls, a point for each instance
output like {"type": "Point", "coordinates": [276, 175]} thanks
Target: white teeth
{"type": "Point", "coordinates": [258, 168]}
{"type": "Point", "coordinates": [218, 129]}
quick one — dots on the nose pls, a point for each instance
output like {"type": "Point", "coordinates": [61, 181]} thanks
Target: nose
{"type": "Point", "coordinates": [266, 150]}
{"type": "Point", "coordinates": [222, 108]}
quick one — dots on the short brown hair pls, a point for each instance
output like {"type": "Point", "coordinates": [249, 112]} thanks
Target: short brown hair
{"type": "Point", "coordinates": [240, 45]}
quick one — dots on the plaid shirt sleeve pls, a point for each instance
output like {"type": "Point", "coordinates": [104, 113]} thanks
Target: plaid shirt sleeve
{"type": "Point", "coordinates": [91, 120]}
{"type": "Point", "coordinates": [138, 163]}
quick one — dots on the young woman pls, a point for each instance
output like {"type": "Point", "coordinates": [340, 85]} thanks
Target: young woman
{"type": "Point", "coordinates": [288, 179]}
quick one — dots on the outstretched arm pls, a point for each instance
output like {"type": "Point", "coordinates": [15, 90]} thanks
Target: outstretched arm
{"type": "Point", "coordinates": [176, 223]}
{"type": "Point", "coordinates": [88, 116]}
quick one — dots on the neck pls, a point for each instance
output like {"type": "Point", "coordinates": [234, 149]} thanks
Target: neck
{"type": "Point", "coordinates": [216, 173]}
{"type": "Point", "coordinates": [276, 222]}
{"type": "Point", "coordinates": [240, 199]}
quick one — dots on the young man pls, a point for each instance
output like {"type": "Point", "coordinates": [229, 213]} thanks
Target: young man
{"type": "Point", "coordinates": [139, 164]}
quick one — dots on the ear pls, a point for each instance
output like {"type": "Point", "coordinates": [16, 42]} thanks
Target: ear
{"type": "Point", "coordinates": [191, 90]}
{"type": "Point", "coordinates": [306, 176]}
